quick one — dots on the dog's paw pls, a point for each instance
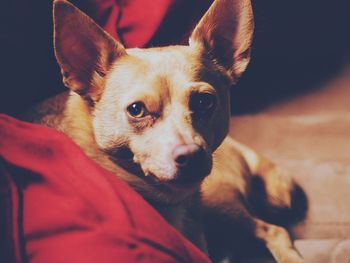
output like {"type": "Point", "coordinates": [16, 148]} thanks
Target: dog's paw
{"type": "Point", "coordinates": [278, 241]}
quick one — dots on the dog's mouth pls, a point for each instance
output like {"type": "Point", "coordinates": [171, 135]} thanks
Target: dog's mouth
{"type": "Point", "coordinates": [174, 179]}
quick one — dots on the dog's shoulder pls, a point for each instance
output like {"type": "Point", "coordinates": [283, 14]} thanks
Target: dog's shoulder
{"type": "Point", "coordinates": [49, 112]}
{"type": "Point", "coordinates": [65, 112]}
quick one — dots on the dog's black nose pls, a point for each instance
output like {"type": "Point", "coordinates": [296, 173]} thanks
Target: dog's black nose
{"type": "Point", "coordinates": [193, 163]}
{"type": "Point", "coordinates": [185, 154]}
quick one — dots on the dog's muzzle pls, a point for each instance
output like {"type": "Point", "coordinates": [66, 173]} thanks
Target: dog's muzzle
{"type": "Point", "coordinates": [192, 162]}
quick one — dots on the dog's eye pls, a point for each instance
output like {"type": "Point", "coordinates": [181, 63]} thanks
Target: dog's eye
{"type": "Point", "coordinates": [202, 102]}
{"type": "Point", "coordinates": [137, 110]}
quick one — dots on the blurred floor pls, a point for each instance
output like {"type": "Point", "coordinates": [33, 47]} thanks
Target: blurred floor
{"type": "Point", "coordinates": [310, 137]}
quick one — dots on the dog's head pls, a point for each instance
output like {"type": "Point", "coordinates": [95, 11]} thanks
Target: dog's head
{"type": "Point", "coordinates": [159, 113]}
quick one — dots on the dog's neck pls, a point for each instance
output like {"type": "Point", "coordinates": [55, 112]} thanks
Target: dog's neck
{"type": "Point", "coordinates": [185, 216]}
{"type": "Point", "coordinates": [173, 213]}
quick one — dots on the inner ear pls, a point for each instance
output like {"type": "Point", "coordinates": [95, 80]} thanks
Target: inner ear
{"type": "Point", "coordinates": [84, 51]}
{"type": "Point", "coordinates": [225, 33]}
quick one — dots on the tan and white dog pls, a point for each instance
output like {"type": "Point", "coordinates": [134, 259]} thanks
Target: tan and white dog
{"type": "Point", "coordinates": [159, 117]}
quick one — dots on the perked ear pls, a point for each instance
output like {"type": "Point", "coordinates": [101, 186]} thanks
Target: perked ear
{"type": "Point", "coordinates": [225, 33]}
{"type": "Point", "coordinates": [83, 50]}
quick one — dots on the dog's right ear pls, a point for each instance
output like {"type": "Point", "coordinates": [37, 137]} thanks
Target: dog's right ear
{"type": "Point", "coordinates": [83, 50]}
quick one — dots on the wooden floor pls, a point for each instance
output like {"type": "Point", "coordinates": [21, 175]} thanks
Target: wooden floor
{"type": "Point", "coordinates": [310, 137]}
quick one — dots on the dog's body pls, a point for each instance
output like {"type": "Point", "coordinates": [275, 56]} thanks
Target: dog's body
{"type": "Point", "coordinates": [158, 118]}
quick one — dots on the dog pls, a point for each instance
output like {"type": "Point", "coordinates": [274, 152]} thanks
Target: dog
{"type": "Point", "coordinates": [158, 118]}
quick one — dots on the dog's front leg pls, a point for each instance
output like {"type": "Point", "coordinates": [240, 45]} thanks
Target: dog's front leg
{"type": "Point", "coordinates": [227, 206]}
{"type": "Point", "coordinates": [278, 184]}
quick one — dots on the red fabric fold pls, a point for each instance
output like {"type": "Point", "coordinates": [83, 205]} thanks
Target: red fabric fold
{"type": "Point", "coordinates": [133, 22]}
{"type": "Point", "coordinates": [67, 208]}
{"type": "Point", "coordinates": [144, 23]}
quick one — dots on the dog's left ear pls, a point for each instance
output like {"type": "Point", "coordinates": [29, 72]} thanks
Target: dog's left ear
{"type": "Point", "coordinates": [225, 33]}
{"type": "Point", "coordinates": [84, 51]}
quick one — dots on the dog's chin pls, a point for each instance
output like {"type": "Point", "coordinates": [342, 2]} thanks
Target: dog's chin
{"type": "Point", "coordinates": [167, 191]}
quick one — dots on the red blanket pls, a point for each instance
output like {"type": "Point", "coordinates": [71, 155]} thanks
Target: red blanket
{"type": "Point", "coordinates": [57, 205]}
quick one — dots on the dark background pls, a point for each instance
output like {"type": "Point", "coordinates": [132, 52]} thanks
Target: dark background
{"type": "Point", "coordinates": [297, 45]}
